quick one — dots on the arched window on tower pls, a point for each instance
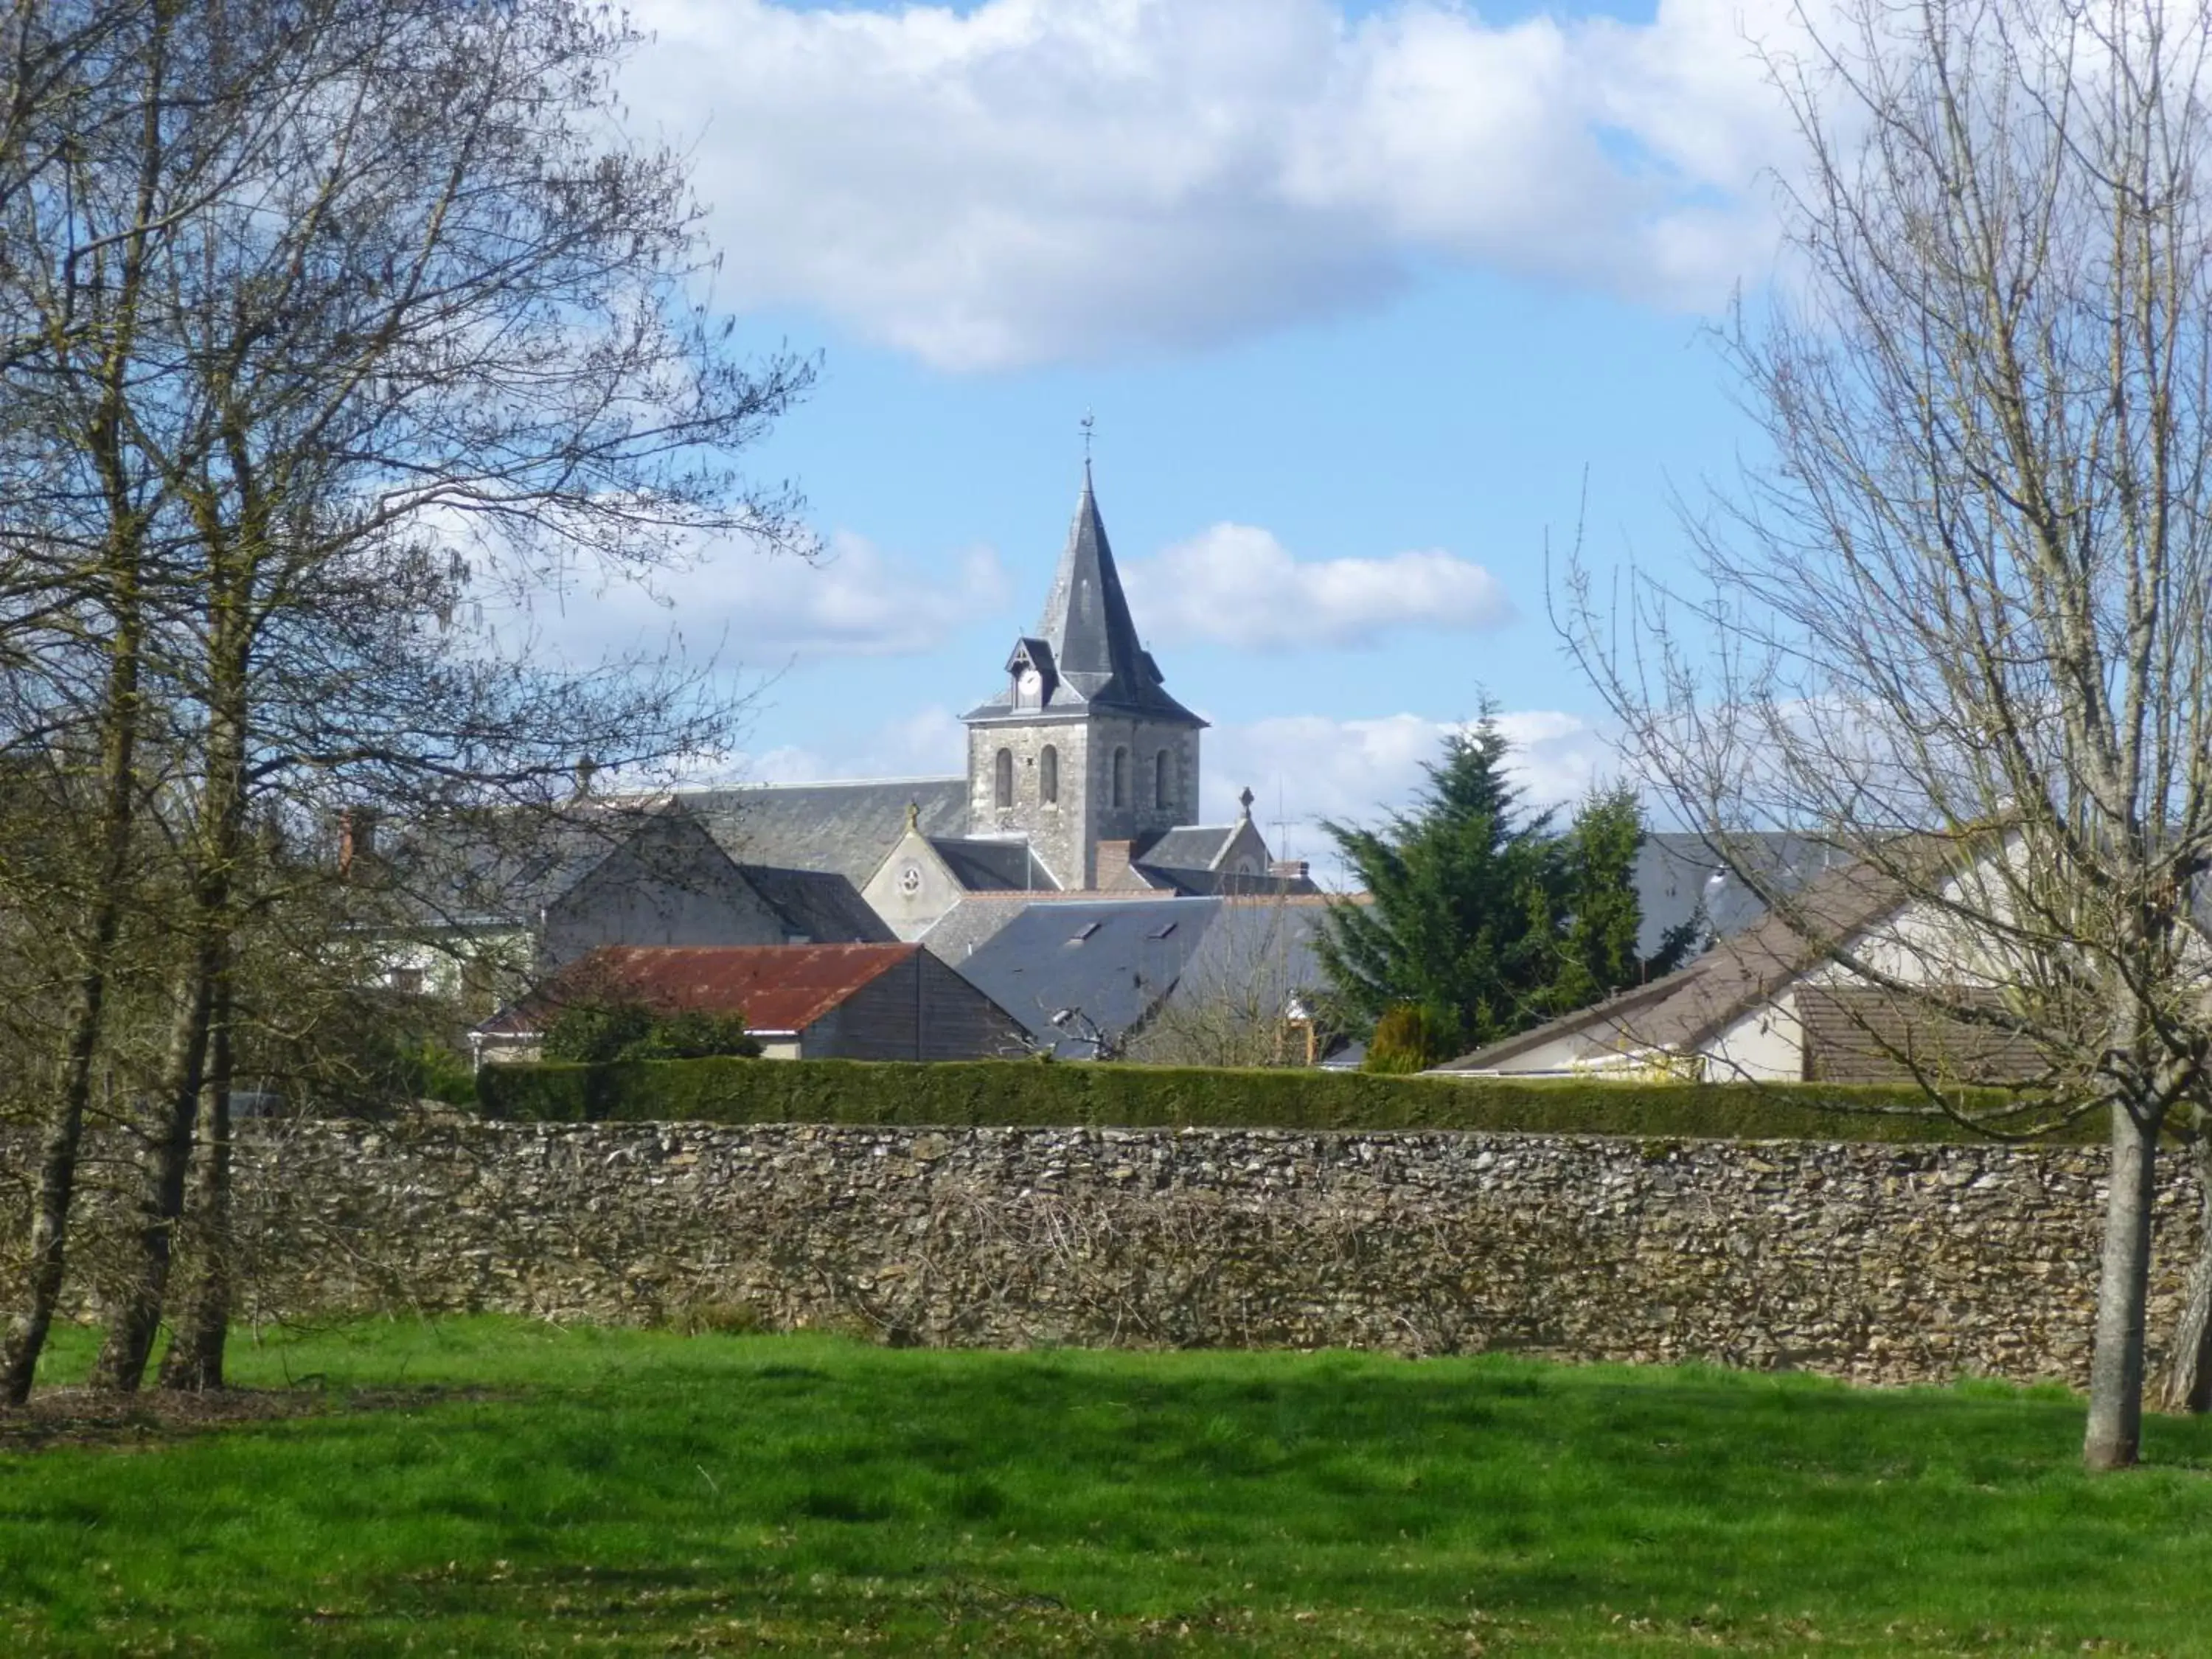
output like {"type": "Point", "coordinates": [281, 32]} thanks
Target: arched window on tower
{"type": "Point", "coordinates": [1048, 775]}
{"type": "Point", "coordinates": [1120, 777]}
{"type": "Point", "coordinates": [1003, 779]}
{"type": "Point", "coordinates": [1162, 784]}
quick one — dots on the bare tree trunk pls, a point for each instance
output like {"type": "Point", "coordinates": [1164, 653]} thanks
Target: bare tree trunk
{"type": "Point", "coordinates": [64, 1135]}
{"type": "Point", "coordinates": [194, 1362]}
{"type": "Point", "coordinates": [2116, 1367]}
{"type": "Point", "coordinates": [2189, 1373]}
{"type": "Point", "coordinates": [58, 1162]}
{"type": "Point", "coordinates": [134, 1319]}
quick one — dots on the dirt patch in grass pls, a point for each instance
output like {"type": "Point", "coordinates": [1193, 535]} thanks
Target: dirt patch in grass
{"type": "Point", "coordinates": [88, 1416]}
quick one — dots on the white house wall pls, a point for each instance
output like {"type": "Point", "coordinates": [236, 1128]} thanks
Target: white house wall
{"type": "Point", "coordinates": [1767, 1045]}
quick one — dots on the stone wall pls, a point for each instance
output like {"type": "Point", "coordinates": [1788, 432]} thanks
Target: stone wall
{"type": "Point", "coordinates": [1881, 1263]}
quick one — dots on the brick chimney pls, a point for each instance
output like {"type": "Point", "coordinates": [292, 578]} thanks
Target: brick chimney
{"type": "Point", "coordinates": [1113, 864]}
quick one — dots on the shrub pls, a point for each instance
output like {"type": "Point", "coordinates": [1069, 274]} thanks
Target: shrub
{"type": "Point", "coordinates": [594, 1033]}
{"type": "Point", "coordinates": [435, 1072]}
{"type": "Point", "coordinates": [591, 1032]}
{"type": "Point", "coordinates": [1405, 1041]}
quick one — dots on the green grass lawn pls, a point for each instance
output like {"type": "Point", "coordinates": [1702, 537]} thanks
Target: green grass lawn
{"type": "Point", "coordinates": [531, 1490]}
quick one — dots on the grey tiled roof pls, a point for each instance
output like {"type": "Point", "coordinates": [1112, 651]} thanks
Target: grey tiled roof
{"type": "Point", "coordinates": [825, 907]}
{"type": "Point", "coordinates": [1095, 659]}
{"type": "Point", "coordinates": [848, 828]}
{"type": "Point", "coordinates": [993, 866]}
{"type": "Point", "coordinates": [1113, 959]}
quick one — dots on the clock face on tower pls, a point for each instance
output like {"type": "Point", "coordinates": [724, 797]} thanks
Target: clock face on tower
{"type": "Point", "coordinates": [1028, 685]}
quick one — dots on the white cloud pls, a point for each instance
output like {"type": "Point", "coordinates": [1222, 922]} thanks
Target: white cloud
{"type": "Point", "coordinates": [1237, 585]}
{"type": "Point", "coordinates": [1303, 769]}
{"type": "Point", "coordinates": [762, 611]}
{"type": "Point", "coordinates": [1035, 180]}
{"type": "Point", "coordinates": [929, 743]}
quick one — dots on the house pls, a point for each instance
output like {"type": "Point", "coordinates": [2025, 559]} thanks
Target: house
{"type": "Point", "coordinates": [1768, 1003]}
{"type": "Point", "coordinates": [881, 1001]}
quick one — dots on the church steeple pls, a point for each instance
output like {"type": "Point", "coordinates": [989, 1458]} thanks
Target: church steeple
{"type": "Point", "coordinates": [1082, 747]}
{"type": "Point", "coordinates": [1092, 655]}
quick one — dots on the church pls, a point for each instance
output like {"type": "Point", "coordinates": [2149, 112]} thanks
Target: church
{"type": "Point", "coordinates": [1082, 777]}
{"type": "Point", "coordinates": [1061, 875]}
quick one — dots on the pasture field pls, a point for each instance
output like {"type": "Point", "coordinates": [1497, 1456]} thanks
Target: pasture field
{"type": "Point", "coordinates": [493, 1487]}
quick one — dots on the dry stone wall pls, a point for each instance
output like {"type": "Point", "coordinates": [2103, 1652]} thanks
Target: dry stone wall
{"type": "Point", "coordinates": [1881, 1263]}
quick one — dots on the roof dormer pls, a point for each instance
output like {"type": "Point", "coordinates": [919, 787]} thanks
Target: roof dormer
{"type": "Point", "coordinates": [1031, 680]}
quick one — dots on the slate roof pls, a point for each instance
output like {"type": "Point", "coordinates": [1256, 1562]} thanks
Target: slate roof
{"type": "Point", "coordinates": [1113, 959]}
{"type": "Point", "coordinates": [848, 828]}
{"type": "Point", "coordinates": [1092, 659]}
{"type": "Point", "coordinates": [1258, 941]}
{"type": "Point", "coordinates": [497, 868]}
{"type": "Point", "coordinates": [956, 935]}
{"type": "Point", "coordinates": [825, 907]}
{"type": "Point", "coordinates": [502, 869]}
{"type": "Point", "coordinates": [1674, 875]}
{"type": "Point", "coordinates": [779, 988]}
{"type": "Point", "coordinates": [1680, 1012]}
{"type": "Point", "coordinates": [1224, 884]}
{"type": "Point", "coordinates": [993, 866]}
{"type": "Point", "coordinates": [1193, 847]}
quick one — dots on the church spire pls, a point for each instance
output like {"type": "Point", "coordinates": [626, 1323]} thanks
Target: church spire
{"type": "Point", "coordinates": [1084, 656]}
{"type": "Point", "coordinates": [1087, 621]}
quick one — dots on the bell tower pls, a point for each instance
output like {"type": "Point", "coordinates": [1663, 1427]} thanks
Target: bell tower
{"type": "Point", "coordinates": [1082, 743]}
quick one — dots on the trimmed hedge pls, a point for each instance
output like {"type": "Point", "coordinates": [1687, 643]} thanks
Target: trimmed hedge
{"type": "Point", "coordinates": [1025, 1093]}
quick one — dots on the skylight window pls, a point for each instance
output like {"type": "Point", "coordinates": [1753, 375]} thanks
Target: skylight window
{"type": "Point", "coordinates": [1084, 932]}
{"type": "Point", "coordinates": [1162, 932]}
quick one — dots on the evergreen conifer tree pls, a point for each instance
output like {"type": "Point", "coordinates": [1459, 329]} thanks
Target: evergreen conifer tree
{"type": "Point", "coordinates": [1484, 915]}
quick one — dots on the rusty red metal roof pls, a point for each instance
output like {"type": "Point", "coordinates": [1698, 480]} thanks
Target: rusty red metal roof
{"type": "Point", "coordinates": [777, 988]}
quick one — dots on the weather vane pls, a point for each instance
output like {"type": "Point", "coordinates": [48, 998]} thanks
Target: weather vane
{"type": "Point", "coordinates": [1087, 422]}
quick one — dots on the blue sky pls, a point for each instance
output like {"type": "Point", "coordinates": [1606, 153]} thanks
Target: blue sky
{"type": "Point", "coordinates": [1358, 295]}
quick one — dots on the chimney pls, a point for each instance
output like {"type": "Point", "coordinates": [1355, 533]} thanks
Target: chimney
{"type": "Point", "coordinates": [586, 765]}
{"type": "Point", "coordinates": [1113, 864]}
{"type": "Point", "coordinates": [356, 836]}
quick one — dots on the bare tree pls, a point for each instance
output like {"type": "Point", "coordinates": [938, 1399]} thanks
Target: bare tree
{"type": "Point", "coordinates": [1957, 616]}
{"type": "Point", "coordinates": [1250, 996]}
{"type": "Point", "coordinates": [438, 333]}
